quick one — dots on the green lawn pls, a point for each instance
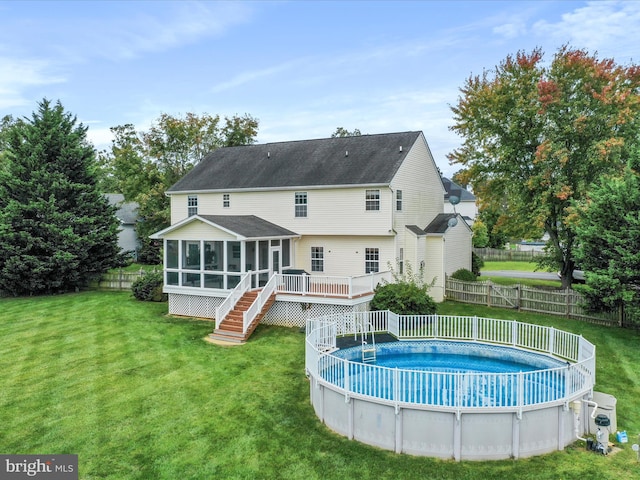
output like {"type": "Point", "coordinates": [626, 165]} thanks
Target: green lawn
{"type": "Point", "coordinates": [139, 395]}
{"type": "Point", "coordinates": [521, 266]}
{"type": "Point", "coordinates": [517, 266]}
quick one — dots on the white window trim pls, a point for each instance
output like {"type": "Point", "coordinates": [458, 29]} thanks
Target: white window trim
{"type": "Point", "coordinates": [372, 203]}
{"type": "Point", "coordinates": [299, 206]}
{"type": "Point", "coordinates": [317, 259]}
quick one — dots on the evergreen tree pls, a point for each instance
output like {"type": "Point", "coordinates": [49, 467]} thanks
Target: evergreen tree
{"type": "Point", "coordinates": [609, 242]}
{"type": "Point", "coordinates": [57, 231]}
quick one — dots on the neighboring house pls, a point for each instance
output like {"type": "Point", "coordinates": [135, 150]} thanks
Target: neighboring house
{"type": "Point", "coordinates": [342, 210]}
{"type": "Point", "coordinates": [127, 214]}
{"type": "Point", "coordinates": [466, 207]}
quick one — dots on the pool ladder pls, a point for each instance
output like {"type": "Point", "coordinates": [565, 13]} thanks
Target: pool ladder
{"type": "Point", "coordinates": [368, 350]}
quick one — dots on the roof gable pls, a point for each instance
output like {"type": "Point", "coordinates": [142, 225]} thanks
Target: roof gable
{"type": "Point", "coordinates": [245, 226]}
{"type": "Point", "coordinates": [345, 161]}
{"type": "Point", "coordinates": [452, 188]}
{"type": "Point", "coordinates": [249, 226]}
{"type": "Point", "coordinates": [440, 224]}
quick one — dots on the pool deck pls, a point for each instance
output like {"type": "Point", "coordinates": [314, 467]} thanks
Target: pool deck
{"type": "Point", "coordinates": [348, 341]}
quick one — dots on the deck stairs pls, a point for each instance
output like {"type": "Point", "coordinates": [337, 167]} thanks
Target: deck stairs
{"type": "Point", "coordinates": [230, 329]}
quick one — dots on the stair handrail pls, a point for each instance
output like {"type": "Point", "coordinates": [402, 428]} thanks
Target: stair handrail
{"type": "Point", "coordinates": [236, 294]}
{"type": "Point", "coordinates": [249, 315]}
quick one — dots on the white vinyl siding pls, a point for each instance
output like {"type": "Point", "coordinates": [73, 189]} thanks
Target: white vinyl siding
{"type": "Point", "coordinates": [458, 247]}
{"type": "Point", "coordinates": [344, 256]}
{"type": "Point", "coordinates": [422, 191]}
{"type": "Point", "coordinates": [336, 211]}
{"type": "Point", "coordinates": [434, 266]}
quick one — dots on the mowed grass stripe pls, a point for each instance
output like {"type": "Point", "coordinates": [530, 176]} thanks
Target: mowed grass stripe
{"type": "Point", "coordinates": [139, 395]}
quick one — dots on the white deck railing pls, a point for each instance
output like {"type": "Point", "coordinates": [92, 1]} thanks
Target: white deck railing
{"type": "Point", "coordinates": [331, 286]}
{"type": "Point", "coordinates": [256, 307]}
{"type": "Point", "coordinates": [512, 391]}
{"type": "Point", "coordinates": [227, 305]}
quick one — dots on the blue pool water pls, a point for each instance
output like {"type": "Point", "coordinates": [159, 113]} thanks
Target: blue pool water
{"type": "Point", "coordinates": [433, 362]}
{"type": "Point", "coordinates": [454, 374]}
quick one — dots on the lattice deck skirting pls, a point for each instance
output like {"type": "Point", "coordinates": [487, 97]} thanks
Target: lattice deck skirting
{"type": "Point", "coordinates": [285, 314]}
{"type": "Point", "coordinates": [295, 314]}
{"type": "Point", "coordinates": [193, 305]}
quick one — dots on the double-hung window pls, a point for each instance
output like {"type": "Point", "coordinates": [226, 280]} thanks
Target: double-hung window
{"type": "Point", "coordinates": [399, 200]}
{"type": "Point", "coordinates": [317, 259]}
{"type": "Point", "coordinates": [372, 200]}
{"type": "Point", "coordinates": [192, 205]}
{"type": "Point", "coordinates": [371, 260]}
{"type": "Point", "coordinates": [301, 204]}
{"type": "Point", "coordinates": [226, 200]}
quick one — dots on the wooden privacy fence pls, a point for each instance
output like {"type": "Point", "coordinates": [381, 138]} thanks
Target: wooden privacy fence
{"type": "Point", "coordinates": [498, 255]}
{"type": "Point", "coordinates": [121, 280]}
{"type": "Point", "coordinates": [567, 302]}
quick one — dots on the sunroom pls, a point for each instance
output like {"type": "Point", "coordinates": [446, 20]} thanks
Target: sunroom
{"type": "Point", "coordinates": [210, 254]}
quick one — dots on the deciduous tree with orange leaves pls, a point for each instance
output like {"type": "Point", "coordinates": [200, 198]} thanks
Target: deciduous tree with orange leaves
{"type": "Point", "coordinates": [537, 135]}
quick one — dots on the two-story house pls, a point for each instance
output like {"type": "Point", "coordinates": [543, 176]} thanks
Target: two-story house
{"type": "Point", "coordinates": [317, 224]}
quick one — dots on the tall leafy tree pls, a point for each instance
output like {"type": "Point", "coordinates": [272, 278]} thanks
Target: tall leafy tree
{"type": "Point", "coordinates": [609, 242]}
{"type": "Point", "coordinates": [343, 132]}
{"type": "Point", "coordinates": [57, 231]}
{"type": "Point", "coordinates": [143, 165]}
{"type": "Point", "coordinates": [480, 234]}
{"type": "Point", "coordinates": [537, 137]}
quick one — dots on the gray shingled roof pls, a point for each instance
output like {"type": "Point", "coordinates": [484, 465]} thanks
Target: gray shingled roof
{"type": "Point", "coordinates": [415, 229]}
{"type": "Point", "coordinates": [127, 212]}
{"type": "Point", "coordinates": [371, 160]}
{"type": "Point", "coordinates": [464, 194]}
{"type": "Point", "coordinates": [440, 223]}
{"type": "Point", "coordinates": [249, 226]}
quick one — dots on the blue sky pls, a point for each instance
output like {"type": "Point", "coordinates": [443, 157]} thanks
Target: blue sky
{"type": "Point", "coordinates": [302, 68]}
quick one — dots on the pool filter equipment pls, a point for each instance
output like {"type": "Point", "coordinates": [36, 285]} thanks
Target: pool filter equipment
{"type": "Point", "coordinates": [602, 434]}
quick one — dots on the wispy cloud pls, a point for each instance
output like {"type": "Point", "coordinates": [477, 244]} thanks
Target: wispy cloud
{"type": "Point", "coordinates": [17, 74]}
{"type": "Point", "coordinates": [156, 31]}
{"type": "Point", "coordinates": [252, 76]}
{"type": "Point", "coordinates": [611, 28]}
{"type": "Point", "coordinates": [511, 29]}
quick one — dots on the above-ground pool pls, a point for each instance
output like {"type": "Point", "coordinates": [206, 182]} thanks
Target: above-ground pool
{"type": "Point", "coordinates": [451, 387]}
{"type": "Point", "coordinates": [434, 372]}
